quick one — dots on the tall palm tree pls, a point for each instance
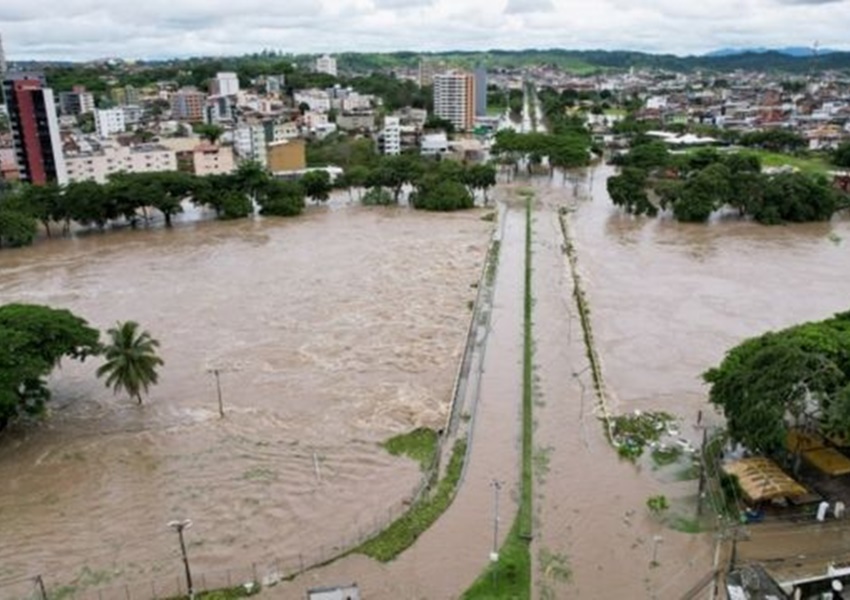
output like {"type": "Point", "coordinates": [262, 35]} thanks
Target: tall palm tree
{"type": "Point", "coordinates": [131, 360]}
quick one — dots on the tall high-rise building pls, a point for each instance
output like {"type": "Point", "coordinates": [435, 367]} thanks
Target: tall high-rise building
{"type": "Point", "coordinates": [35, 129]}
{"type": "Point", "coordinates": [2, 57]}
{"type": "Point", "coordinates": [454, 98]}
{"type": "Point", "coordinates": [326, 64]}
{"type": "Point", "coordinates": [480, 91]}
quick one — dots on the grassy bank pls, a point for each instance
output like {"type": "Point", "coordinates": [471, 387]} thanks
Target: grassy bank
{"type": "Point", "coordinates": [399, 536]}
{"type": "Point", "coordinates": [419, 445]}
{"type": "Point", "coordinates": [510, 576]}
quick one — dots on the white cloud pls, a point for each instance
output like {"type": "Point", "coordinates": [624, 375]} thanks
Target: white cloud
{"type": "Point", "coordinates": [79, 29]}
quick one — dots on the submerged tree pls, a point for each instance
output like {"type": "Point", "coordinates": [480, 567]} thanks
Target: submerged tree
{"type": "Point", "coordinates": [33, 339]}
{"type": "Point", "coordinates": [131, 360]}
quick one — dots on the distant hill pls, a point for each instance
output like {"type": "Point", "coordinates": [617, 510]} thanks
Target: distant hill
{"type": "Point", "coordinates": [797, 51]}
{"type": "Point", "coordinates": [596, 61]}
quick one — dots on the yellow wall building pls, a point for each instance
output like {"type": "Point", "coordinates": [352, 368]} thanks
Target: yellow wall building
{"type": "Point", "coordinates": [287, 155]}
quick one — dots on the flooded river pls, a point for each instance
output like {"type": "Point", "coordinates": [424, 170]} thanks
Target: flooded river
{"type": "Point", "coordinates": [341, 328]}
{"type": "Point", "coordinates": [331, 332]}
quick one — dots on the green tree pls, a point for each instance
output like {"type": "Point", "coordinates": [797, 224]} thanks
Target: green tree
{"type": "Point", "coordinates": [208, 131]}
{"type": "Point", "coordinates": [795, 377]}
{"type": "Point", "coordinates": [481, 177]}
{"type": "Point", "coordinates": [88, 203]}
{"type": "Point", "coordinates": [235, 205]}
{"type": "Point", "coordinates": [841, 155]}
{"type": "Point", "coordinates": [131, 360]}
{"type": "Point", "coordinates": [628, 190]}
{"type": "Point", "coordinates": [34, 339]}
{"type": "Point", "coordinates": [282, 199]}
{"type": "Point", "coordinates": [42, 202]}
{"type": "Point", "coordinates": [317, 185]}
{"type": "Point", "coordinates": [16, 228]}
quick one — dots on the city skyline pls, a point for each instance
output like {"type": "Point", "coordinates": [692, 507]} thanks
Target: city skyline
{"type": "Point", "coordinates": [86, 29]}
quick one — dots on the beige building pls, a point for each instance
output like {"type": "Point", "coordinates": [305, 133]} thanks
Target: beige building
{"type": "Point", "coordinates": [454, 98]}
{"type": "Point", "coordinates": [207, 159]}
{"type": "Point", "coordinates": [288, 155]}
{"type": "Point", "coordinates": [356, 120]}
{"type": "Point", "coordinates": [188, 104]}
{"type": "Point", "coordinates": [98, 164]}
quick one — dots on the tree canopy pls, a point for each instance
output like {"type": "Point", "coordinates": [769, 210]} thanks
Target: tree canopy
{"type": "Point", "coordinates": [797, 377]}
{"type": "Point", "coordinates": [695, 185]}
{"type": "Point", "coordinates": [131, 360]}
{"type": "Point", "coordinates": [34, 340]}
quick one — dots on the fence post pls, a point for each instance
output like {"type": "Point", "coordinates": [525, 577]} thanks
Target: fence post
{"type": "Point", "coordinates": [127, 590]}
{"type": "Point", "coordinates": [203, 583]}
{"type": "Point", "coordinates": [301, 562]}
{"type": "Point", "coordinates": [254, 571]}
{"type": "Point", "coordinates": [153, 589]}
{"type": "Point", "coordinates": [229, 584]}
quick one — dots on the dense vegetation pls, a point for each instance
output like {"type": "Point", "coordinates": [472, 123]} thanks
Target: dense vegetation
{"type": "Point", "coordinates": [695, 185]}
{"type": "Point", "coordinates": [563, 150]}
{"type": "Point", "coordinates": [34, 340]}
{"type": "Point", "coordinates": [798, 377]}
{"type": "Point", "coordinates": [129, 197]}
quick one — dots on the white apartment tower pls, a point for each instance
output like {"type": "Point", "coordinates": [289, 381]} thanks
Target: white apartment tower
{"type": "Point", "coordinates": [109, 122]}
{"type": "Point", "coordinates": [391, 136]}
{"type": "Point", "coordinates": [326, 64]}
{"type": "Point", "coordinates": [454, 98]}
{"type": "Point", "coordinates": [225, 84]}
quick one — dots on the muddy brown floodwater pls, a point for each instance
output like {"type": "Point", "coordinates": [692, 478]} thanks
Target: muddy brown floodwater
{"type": "Point", "coordinates": [667, 300]}
{"type": "Point", "coordinates": [331, 332]}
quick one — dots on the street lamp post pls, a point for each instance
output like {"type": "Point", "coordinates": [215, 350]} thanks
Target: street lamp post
{"type": "Point", "coordinates": [494, 555]}
{"type": "Point", "coordinates": [497, 486]}
{"type": "Point", "coordinates": [218, 388]}
{"type": "Point", "coordinates": [179, 526]}
{"type": "Point", "coordinates": [656, 539]}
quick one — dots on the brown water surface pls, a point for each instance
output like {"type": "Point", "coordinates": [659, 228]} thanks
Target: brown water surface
{"type": "Point", "coordinates": [331, 332]}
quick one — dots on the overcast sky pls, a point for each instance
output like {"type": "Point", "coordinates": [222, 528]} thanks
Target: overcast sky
{"type": "Point", "coordinates": [84, 29]}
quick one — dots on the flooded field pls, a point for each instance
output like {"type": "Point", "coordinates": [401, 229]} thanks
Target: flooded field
{"type": "Point", "coordinates": [331, 332]}
{"type": "Point", "coordinates": [668, 299]}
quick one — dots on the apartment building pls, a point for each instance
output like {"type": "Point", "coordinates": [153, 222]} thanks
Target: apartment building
{"type": "Point", "coordinates": [454, 98]}
{"type": "Point", "coordinates": [287, 156]}
{"type": "Point", "coordinates": [76, 102]}
{"type": "Point", "coordinates": [390, 137]}
{"type": "Point", "coordinates": [127, 95]}
{"type": "Point", "coordinates": [225, 84]}
{"type": "Point", "coordinates": [326, 64]}
{"type": "Point", "coordinates": [249, 142]}
{"type": "Point", "coordinates": [208, 159]}
{"type": "Point", "coordinates": [35, 129]}
{"type": "Point", "coordinates": [109, 122]}
{"type": "Point", "coordinates": [104, 160]}
{"type": "Point", "coordinates": [317, 100]}
{"type": "Point", "coordinates": [188, 104]}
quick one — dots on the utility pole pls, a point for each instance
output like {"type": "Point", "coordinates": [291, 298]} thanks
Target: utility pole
{"type": "Point", "coordinates": [218, 388]}
{"type": "Point", "coordinates": [494, 555]}
{"type": "Point", "coordinates": [179, 526]}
